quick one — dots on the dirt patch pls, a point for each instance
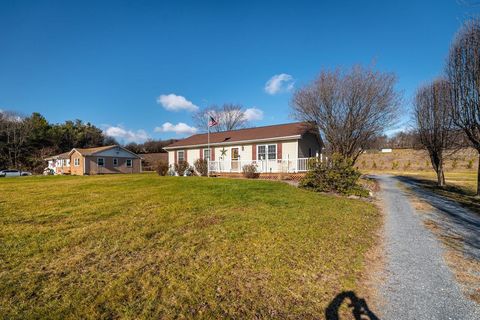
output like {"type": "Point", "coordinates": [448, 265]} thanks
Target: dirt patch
{"type": "Point", "coordinates": [467, 272]}
{"type": "Point", "coordinates": [374, 272]}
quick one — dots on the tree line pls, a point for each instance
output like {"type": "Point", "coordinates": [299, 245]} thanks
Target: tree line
{"type": "Point", "coordinates": [149, 146]}
{"type": "Point", "coordinates": [25, 141]}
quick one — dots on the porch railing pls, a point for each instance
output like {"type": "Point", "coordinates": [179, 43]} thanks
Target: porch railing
{"type": "Point", "coordinates": [263, 166]}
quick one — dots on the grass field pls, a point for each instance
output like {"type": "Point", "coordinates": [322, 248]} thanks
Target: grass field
{"type": "Point", "coordinates": [460, 185]}
{"type": "Point", "coordinates": [143, 246]}
{"type": "Point", "coordinates": [466, 180]}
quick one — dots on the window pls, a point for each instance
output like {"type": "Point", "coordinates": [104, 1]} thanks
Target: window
{"type": "Point", "coordinates": [181, 156]}
{"type": "Point", "coordinates": [68, 162]}
{"type": "Point", "coordinates": [262, 152]}
{"type": "Point", "coordinates": [76, 162]}
{"type": "Point", "coordinates": [272, 151]}
{"type": "Point", "coordinates": [115, 162]}
{"type": "Point", "coordinates": [100, 162]}
{"type": "Point", "coordinates": [267, 151]}
{"type": "Point", "coordinates": [206, 154]}
{"type": "Point", "coordinates": [129, 163]}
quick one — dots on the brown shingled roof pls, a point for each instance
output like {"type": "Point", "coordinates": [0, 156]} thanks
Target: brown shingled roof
{"type": "Point", "coordinates": [58, 156]}
{"type": "Point", "coordinates": [89, 151]}
{"type": "Point", "coordinates": [258, 133]}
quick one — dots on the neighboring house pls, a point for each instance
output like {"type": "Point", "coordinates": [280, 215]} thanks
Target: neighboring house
{"type": "Point", "coordinates": [100, 160]}
{"type": "Point", "coordinates": [60, 163]}
{"type": "Point", "coordinates": [272, 149]}
{"type": "Point", "coordinates": [150, 160]}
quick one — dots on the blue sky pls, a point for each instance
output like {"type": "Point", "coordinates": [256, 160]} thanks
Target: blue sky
{"type": "Point", "coordinates": [133, 66]}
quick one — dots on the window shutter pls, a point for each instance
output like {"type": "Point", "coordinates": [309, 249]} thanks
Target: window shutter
{"type": "Point", "coordinates": [175, 156]}
{"type": "Point", "coordinates": [212, 154]}
{"type": "Point", "coordinates": [254, 152]}
{"type": "Point", "coordinates": [279, 151]}
{"type": "Point", "coordinates": [201, 154]}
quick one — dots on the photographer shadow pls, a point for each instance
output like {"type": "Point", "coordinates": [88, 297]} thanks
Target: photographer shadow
{"type": "Point", "coordinates": [359, 307]}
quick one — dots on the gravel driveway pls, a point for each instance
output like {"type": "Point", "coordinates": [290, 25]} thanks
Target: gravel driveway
{"type": "Point", "coordinates": [418, 283]}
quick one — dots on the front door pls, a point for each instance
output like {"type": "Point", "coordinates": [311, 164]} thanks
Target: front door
{"type": "Point", "coordinates": [235, 163]}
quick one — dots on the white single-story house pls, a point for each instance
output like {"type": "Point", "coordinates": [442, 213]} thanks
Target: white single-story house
{"type": "Point", "coordinates": [272, 149]}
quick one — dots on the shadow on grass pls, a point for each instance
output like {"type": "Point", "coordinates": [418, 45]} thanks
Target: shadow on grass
{"type": "Point", "coordinates": [358, 306]}
{"type": "Point", "coordinates": [464, 197]}
{"type": "Point", "coordinates": [458, 219]}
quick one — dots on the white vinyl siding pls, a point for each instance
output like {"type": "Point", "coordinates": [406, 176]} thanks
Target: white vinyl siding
{"type": "Point", "coordinates": [192, 155]}
{"type": "Point", "coordinates": [290, 150]}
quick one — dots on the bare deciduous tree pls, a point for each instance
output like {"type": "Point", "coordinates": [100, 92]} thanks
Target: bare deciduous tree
{"type": "Point", "coordinates": [463, 70]}
{"type": "Point", "coordinates": [15, 131]}
{"type": "Point", "coordinates": [435, 128]}
{"type": "Point", "coordinates": [350, 108]}
{"type": "Point", "coordinates": [229, 117]}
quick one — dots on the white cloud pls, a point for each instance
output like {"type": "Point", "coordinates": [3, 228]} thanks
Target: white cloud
{"type": "Point", "coordinates": [172, 102]}
{"type": "Point", "coordinates": [253, 114]}
{"type": "Point", "coordinates": [127, 136]}
{"type": "Point", "coordinates": [279, 83]}
{"type": "Point", "coordinates": [179, 128]}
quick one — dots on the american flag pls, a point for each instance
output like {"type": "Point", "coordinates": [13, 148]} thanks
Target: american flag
{"type": "Point", "coordinates": [212, 122]}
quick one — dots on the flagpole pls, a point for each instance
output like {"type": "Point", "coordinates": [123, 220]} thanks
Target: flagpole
{"type": "Point", "coordinates": [208, 147]}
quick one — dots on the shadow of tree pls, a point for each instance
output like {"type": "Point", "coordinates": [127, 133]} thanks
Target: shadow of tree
{"type": "Point", "coordinates": [359, 307]}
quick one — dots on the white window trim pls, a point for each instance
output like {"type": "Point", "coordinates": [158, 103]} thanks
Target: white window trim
{"type": "Point", "coordinates": [115, 162]}
{"type": "Point", "coordinates": [103, 165]}
{"type": "Point", "coordinates": [131, 163]}
{"type": "Point", "coordinates": [209, 154]}
{"type": "Point", "coordinates": [76, 162]}
{"type": "Point", "coordinates": [266, 151]}
{"type": "Point", "coordinates": [178, 155]}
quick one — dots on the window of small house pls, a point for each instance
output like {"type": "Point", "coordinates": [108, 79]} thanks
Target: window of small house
{"type": "Point", "coordinates": [262, 152]}
{"type": "Point", "coordinates": [101, 162]}
{"type": "Point", "coordinates": [68, 162]}
{"type": "Point", "coordinates": [115, 162]}
{"type": "Point", "coordinates": [267, 151]}
{"type": "Point", "coordinates": [272, 151]}
{"type": "Point", "coordinates": [76, 162]}
{"type": "Point", "coordinates": [181, 155]}
{"type": "Point", "coordinates": [129, 162]}
{"type": "Point", "coordinates": [206, 154]}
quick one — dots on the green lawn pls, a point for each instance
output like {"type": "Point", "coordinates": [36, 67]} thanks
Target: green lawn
{"type": "Point", "coordinates": [144, 246]}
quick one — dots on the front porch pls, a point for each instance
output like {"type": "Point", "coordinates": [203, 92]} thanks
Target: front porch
{"type": "Point", "coordinates": [263, 166]}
